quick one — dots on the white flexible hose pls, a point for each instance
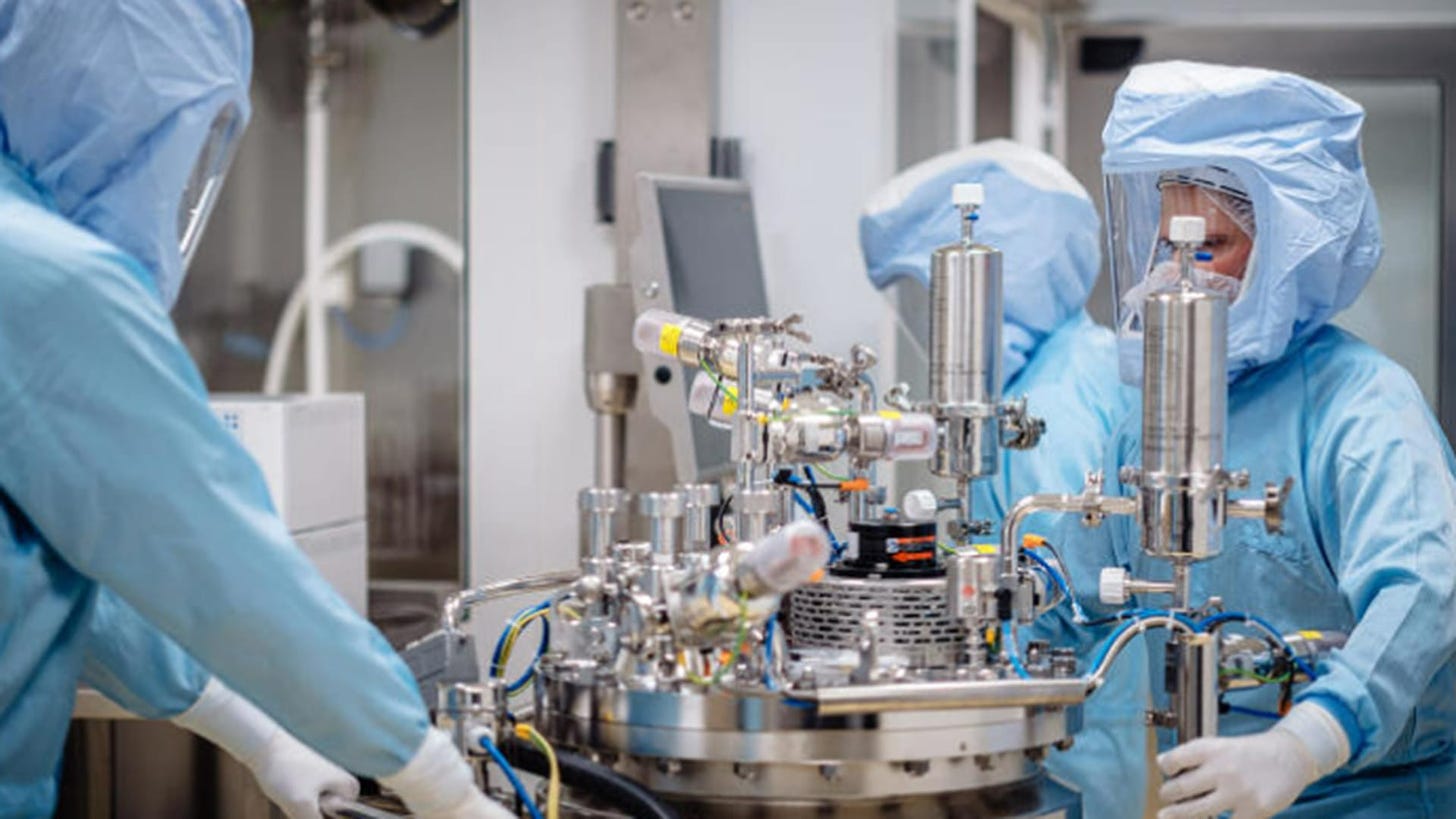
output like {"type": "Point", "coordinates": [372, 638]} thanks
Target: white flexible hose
{"type": "Point", "coordinates": [280, 351]}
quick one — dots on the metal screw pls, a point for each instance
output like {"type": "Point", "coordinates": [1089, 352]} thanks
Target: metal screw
{"type": "Point", "coordinates": [651, 289]}
{"type": "Point", "coordinates": [637, 12]}
{"type": "Point", "coordinates": [684, 12]}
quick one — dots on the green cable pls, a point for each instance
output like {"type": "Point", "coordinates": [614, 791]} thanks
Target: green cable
{"type": "Point", "coordinates": [738, 642]}
{"type": "Point", "coordinates": [830, 475]}
{"type": "Point", "coordinates": [716, 380]}
{"type": "Point", "coordinates": [1229, 671]}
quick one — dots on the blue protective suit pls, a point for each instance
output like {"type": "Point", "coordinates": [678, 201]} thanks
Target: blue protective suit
{"type": "Point", "coordinates": [1066, 364]}
{"type": "Point", "coordinates": [1367, 546]}
{"type": "Point", "coordinates": [135, 665]}
{"type": "Point", "coordinates": [115, 477]}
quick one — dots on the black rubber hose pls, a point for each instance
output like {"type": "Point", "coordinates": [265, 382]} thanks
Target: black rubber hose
{"type": "Point", "coordinates": [600, 781]}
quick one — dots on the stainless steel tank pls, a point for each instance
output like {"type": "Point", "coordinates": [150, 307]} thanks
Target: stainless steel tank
{"type": "Point", "coordinates": [965, 356]}
{"type": "Point", "coordinates": [1185, 412]}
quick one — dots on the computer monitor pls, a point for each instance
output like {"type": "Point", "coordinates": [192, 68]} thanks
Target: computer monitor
{"type": "Point", "coordinates": [697, 254]}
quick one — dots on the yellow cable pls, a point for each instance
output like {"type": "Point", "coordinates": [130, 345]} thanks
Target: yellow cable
{"type": "Point", "coordinates": [515, 632]}
{"type": "Point", "coordinates": [553, 790]}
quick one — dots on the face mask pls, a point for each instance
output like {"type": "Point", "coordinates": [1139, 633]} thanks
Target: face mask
{"type": "Point", "coordinates": [1165, 275]}
{"type": "Point", "coordinates": [204, 183]}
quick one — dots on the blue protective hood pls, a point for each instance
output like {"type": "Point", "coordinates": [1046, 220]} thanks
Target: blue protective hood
{"type": "Point", "coordinates": [1036, 213]}
{"type": "Point", "coordinates": [105, 104]}
{"type": "Point", "coordinates": [1295, 144]}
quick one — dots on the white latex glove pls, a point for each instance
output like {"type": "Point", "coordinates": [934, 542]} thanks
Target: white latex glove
{"type": "Point", "coordinates": [293, 776]}
{"type": "Point", "coordinates": [438, 784]}
{"type": "Point", "coordinates": [1253, 776]}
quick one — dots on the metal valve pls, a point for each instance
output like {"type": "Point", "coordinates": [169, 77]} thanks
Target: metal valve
{"type": "Point", "coordinates": [1269, 509]}
{"type": "Point", "coordinates": [1020, 429]}
{"type": "Point", "coordinates": [1276, 495]}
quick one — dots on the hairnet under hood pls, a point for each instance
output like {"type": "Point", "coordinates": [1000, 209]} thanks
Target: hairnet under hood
{"type": "Point", "coordinates": [1295, 145]}
{"type": "Point", "coordinates": [106, 104]}
{"type": "Point", "coordinates": [1036, 213]}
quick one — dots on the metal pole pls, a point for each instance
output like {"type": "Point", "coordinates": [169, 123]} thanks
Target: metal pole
{"type": "Point", "coordinates": [965, 80]}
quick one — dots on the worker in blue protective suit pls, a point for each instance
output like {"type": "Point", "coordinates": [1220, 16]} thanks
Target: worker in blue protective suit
{"type": "Point", "coordinates": [1272, 162]}
{"type": "Point", "coordinates": [127, 512]}
{"type": "Point", "coordinates": [1065, 364]}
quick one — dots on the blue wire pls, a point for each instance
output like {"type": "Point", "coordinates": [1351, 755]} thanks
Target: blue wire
{"type": "Point", "coordinates": [525, 679]}
{"type": "Point", "coordinates": [521, 792]}
{"type": "Point", "coordinates": [1078, 614]}
{"type": "Point", "coordinates": [836, 549]}
{"type": "Point", "coordinates": [1231, 616]}
{"type": "Point", "coordinates": [803, 504]}
{"type": "Point", "coordinates": [1012, 652]}
{"type": "Point", "coordinates": [374, 342]}
{"type": "Point", "coordinates": [1253, 712]}
{"type": "Point", "coordinates": [768, 637]}
{"type": "Point", "coordinates": [500, 644]}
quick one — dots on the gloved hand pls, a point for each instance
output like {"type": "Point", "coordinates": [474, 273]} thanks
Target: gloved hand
{"type": "Point", "coordinates": [1256, 775]}
{"type": "Point", "coordinates": [438, 784]}
{"type": "Point", "coordinates": [293, 776]}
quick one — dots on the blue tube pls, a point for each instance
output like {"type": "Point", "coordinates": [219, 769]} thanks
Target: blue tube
{"type": "Point", "coordinates": [803, 504]}
{"type": "Point", "coordinates": [1013, 652]}
{"type": "Point", "coordinates": [768, 638]}
{"type": "Point", "coordinates": [525, 679]}
{"type": "Point", "coordinates": [1078, 614]}
{"type": "Point", "coordinates": [500, 643]}
{"type": "Point", "coordinates": [1238, 616]}
{"type": "Point", "coordinates": [520, 787]}
{"type": "Point", "coordinates": [836, 549]}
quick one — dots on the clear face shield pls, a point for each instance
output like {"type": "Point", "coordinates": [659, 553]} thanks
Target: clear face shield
{"type": "Point", "coordinates": [204, 183]}
{"type": "Point", "coordinates": [1139, 208]}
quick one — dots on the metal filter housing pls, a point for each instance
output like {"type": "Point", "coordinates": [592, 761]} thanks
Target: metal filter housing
{"type": "Point", "coordinates": [1185, 414]}
{"type": "Point", "coordinates": [965, 356]}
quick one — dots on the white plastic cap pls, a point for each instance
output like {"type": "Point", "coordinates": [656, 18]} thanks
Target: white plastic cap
{"type": "Point", "coordinates": [919, 505]}
{"type": "Point", "coordinates": [965, 194]}
{"type": "Point", "coordinates": [1112, 584]}
{"type": "Point", "coordinates": [912, 437]}
{"type": "Point", "coordinates": [1186, 230]}
{"type": "Point", "coordinates": [656, 332]}
{"type": "Point", "coordinates": [788, 557]}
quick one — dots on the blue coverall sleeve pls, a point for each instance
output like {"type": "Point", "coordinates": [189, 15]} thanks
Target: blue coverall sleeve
{"type": "Point", "coordinates": [135, 665]}
{"type": "Point", "coordinates": [1384, 474]}
{"type": "Point", "coordinates": [111, 450]}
